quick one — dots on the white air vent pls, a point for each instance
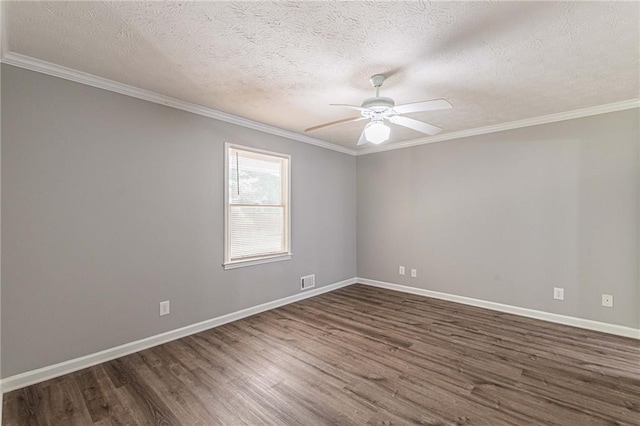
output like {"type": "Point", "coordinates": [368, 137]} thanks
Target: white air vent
{"type": "Point", "coordinates": [307, 282]}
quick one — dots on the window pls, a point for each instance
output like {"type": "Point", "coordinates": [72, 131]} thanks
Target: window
{"type": "Point", "coordinates": [257, 219]}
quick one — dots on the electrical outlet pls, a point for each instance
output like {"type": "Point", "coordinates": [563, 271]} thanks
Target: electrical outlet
{"type": "Point", "coordinates": [414, 273]}
{"type": "Point", "coordinates": [401, 270]}
{"type": "Point", "coordinates": [607, 300]}
{"type": "Point", "coordinates": [558, 293]}
{"type": "Point", "coordinates": [165, 309]}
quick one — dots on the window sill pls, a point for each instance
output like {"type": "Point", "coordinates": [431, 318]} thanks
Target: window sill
{"type": "Point", "coordinates": [251, 262]}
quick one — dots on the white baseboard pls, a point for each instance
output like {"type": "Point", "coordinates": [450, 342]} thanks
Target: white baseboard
{"type": "Point", "coordinates": [45, 373]}
{"type": "Point", "coordinates": [618, 330]}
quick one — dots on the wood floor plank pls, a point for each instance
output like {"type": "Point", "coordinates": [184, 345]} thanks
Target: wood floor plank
{"type": "Point", "coordinates": [148, 403]}
{"type": "Point", "coordinates": [98, 395]}
{"type": "Point", "coordinates": [68, 404]}
{"type": "Point", "coordinates": [358, 355]}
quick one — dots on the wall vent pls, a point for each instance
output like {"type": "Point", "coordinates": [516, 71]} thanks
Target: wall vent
{"type": "Point", "coordinates": [307, 281]}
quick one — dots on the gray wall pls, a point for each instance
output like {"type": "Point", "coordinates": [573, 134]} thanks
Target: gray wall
{"type": "Point", "coordinates": [0, 216]}
{"type": "Point", "coordinates": [508, 216]}
{"type": "Point", "coordinates": [111, 204]}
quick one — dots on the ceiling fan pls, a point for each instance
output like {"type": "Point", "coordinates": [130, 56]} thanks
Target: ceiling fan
{"type": "Point", "coordinates": [378, 109]}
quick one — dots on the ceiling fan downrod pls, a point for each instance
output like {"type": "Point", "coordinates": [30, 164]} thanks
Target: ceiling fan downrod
{"type": "Point", "coordinates": [376, 81]}
{"type": "Point", "coordinates": [377, 103]}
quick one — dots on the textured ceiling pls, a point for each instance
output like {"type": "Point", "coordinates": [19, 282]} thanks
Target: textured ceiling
{"type": "Point", "coordinates": [282, 63]}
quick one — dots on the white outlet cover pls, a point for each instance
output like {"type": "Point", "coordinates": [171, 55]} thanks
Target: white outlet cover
{"type": "Point", "coordinates": [401, 270]}
{"type": "Point", "coordinates": [607, 300]}
{"type": "Point", "coordinates": [558, 293]}
{"type": "Point", "coordinates": [165, 308]}
{"type": "Point", "coordinates": [414, 273]}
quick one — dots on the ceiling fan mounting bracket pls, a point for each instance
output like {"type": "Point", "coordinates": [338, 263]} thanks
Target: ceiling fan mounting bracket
{"type": "Point", "coordinates": [377, 80]}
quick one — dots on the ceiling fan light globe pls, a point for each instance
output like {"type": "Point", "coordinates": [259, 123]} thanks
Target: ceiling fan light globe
{"type": "Point", "coordinates": [377, 132]}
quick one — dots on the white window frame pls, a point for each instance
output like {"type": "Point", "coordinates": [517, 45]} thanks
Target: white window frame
{"type": "Point", "coordinates": [257, 260]}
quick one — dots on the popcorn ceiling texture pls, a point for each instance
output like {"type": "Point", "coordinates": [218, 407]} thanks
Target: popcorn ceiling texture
{"type": "Point", "coordinates": [282, 63]}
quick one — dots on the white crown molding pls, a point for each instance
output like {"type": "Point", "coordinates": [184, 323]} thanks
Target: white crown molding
{"type": "Point", "coordinates": [52, 371]}
{"type": "Point", "coordinates": [49, 68]}
{"type": "Point", "coordinates": [551, 118]}
{"type": "Point", "coordinates": [4, 47]}
{"type": "Point", "coordinates": [604, 327]}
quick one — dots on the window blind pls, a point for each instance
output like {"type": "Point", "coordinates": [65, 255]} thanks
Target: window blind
{"type": "Point", "coordinates": [257, 217]}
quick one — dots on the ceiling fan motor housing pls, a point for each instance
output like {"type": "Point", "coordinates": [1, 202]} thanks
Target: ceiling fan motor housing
{"type": "Point", "coordinates": [378, 103]}
{"type": "Point", "coordinates": [377, 108]}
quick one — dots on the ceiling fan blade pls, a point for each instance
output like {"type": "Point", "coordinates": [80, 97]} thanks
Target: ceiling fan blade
{"type": "Point", "coordinates": [359, 108]}
{"type": "Point", "coordinates": [415, 125]}
{"type": "Point", "coordinates": [433, 105]}
{"type": "Point", "coordinates": [334, 123]}
{"type": "Point", "coordinates": [363, 138]}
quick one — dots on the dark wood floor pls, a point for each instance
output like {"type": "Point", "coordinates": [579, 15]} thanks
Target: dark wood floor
{"type": "Point", "coordinates": [358, 355]}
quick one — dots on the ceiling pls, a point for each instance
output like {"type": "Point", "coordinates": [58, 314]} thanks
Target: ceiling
{"type": "Point", "coordinates": [283, 63]}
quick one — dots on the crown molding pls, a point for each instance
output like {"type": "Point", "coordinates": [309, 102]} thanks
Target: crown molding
{"type": "Point", "coordinates": [49, 68]}
{"type": "Point", "coordinates": [545, 119]}
{"type": "Point", "coordinates": [4, 47]}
